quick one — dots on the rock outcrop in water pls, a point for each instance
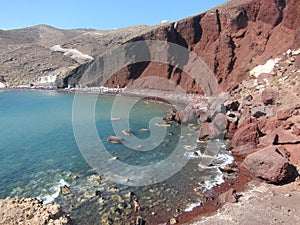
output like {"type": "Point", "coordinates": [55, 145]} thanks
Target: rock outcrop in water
{"type": "Point", "coordinates": [31, 211]}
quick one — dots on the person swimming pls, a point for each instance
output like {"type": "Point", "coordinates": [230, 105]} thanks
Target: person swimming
{"type": "Point", "coordinates": [136, 203]}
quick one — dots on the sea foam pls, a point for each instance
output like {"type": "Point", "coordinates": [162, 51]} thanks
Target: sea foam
{"type": "Point", "coordinates": [55, 190]}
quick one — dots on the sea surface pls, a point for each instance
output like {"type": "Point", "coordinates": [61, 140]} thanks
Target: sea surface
{"type": "Point", "coordinates": [39, 155]}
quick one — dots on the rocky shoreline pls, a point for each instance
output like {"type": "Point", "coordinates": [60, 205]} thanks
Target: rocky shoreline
{"type": "Point", "coordinates": [263, 115]}
{"type": "Point", "coordinates": [31, 211]}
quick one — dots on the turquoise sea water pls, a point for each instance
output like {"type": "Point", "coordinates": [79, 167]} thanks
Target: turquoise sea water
{"type": "Point", "coordinates": [39, 154]}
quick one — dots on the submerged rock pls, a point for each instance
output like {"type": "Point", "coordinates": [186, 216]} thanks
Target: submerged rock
{"type": "Point", "coordinates": [115, 139]}
{"type": "Point", "coordinates": [65, 189]}
{"type": "Point", "coordinates": [127, 132]}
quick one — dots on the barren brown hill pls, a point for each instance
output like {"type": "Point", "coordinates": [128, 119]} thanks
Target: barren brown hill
{"type": "Point", "coordinates": [27, 54]}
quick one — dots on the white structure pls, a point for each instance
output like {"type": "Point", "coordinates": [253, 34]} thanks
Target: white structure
{"type": "Point", "coordinates": [164, 21]}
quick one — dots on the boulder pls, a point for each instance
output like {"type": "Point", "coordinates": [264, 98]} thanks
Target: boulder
{"type": "Point", "coordinates": [127, 132]}
{"type": "Point", "coordinates": [244, 150]}
{"type": "Point", "coordinates": [268, 96]}
{"type": "Point", "coordinates": [229, 196]}
{"type": "Point", "coordinates": [283, 114]}
{"type": "Point", "coordinates": [220, 121]}
{"type": "Point", "coordinates": [170, 116]}
{"type": "Point", "coordinates": [247, 121]}
{"type": "Point", "coordinates": [231, 130]}
{"type": "Point", "coordinates": [260, 111]}
{"type": "Point", "coordinates": [293, 152]}
{"type": "Point", "coordinates": [296, 130]}
{"type": "Point", "coordinates": [208, 131]}
{"type": "Point", "coordinates": [287, 124]}
{"type": "Point", "coordinates": [285, 137]}
{"type": "Point", "coordinates": [203, 117]}
{"type": "Point", "coordinates": [233, 117]}
{"type": "Point", "coordinates": [215, 129]}
{"type": "Point", "coordinates": [115, 139]}
{"type": "Point", "coordinates": [173, 221]}
{"type": "Point", "coordinates": [65, 189]}
{"type": "Point", "coordinates": [267, 140]}
{"type": "Point", "coordinates": [279, 136]}
{"type": "Point", "coordinates": [246, 134]}
{"type": "Point", "coordinates": [267, 125]}
{"type": "Point", "coordinates": [247, 101]}
{"type": "Point", "coordinates": [270, 164]}
{"type": "Point", "coordinates": [186, 116]}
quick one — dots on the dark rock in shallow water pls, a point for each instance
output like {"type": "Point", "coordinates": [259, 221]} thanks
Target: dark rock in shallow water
{"type": "Point", "coordinates": [208, 131]}
{"type": "Point", "coordinates": [65, 189]}
{"type": "Point", "coordinates": [127, 132]}
{"type": "Point", "coordinates": [220, 121]}
{"type": "Point", "coordinates": [98, 193]}
{"type": "Point", "coordinates": [115, 139]}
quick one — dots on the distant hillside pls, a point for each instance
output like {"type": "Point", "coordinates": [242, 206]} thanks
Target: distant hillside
{"type": "Point", "coordinates": [27, 54]}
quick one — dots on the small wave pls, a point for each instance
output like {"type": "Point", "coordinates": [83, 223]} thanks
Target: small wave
{"type": "Point", "coordinates": [191, 206]}
{"type": "Point", "coordinates": [220, 161]}
{"type": "Point", "coordinates": [224, 159]}
{"type": "Point", "coordinates": [55, 190]}
{"type": "Point", "coordinates": [209, 184]}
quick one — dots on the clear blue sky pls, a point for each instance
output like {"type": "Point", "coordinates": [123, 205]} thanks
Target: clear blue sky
{"type": "Point", "coordinates": [97, 14]}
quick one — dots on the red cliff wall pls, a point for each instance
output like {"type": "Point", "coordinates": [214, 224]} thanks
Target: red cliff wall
{"type": "Point", "coordinates": [231, 39]}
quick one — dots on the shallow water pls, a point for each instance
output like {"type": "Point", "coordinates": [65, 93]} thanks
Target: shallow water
{"type": "Point", "coordinates": [39, 154]}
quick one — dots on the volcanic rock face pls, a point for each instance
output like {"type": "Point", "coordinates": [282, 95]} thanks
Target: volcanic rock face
{"type": "Point", "coordinates": [230, 39]}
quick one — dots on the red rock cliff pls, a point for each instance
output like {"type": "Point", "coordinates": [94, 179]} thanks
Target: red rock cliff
{"type": "Point", "coordinates": [231, 39]}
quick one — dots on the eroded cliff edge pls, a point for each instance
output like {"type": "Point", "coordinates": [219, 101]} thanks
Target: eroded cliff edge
{"type": "Point", "coordinates": [231, 39]}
